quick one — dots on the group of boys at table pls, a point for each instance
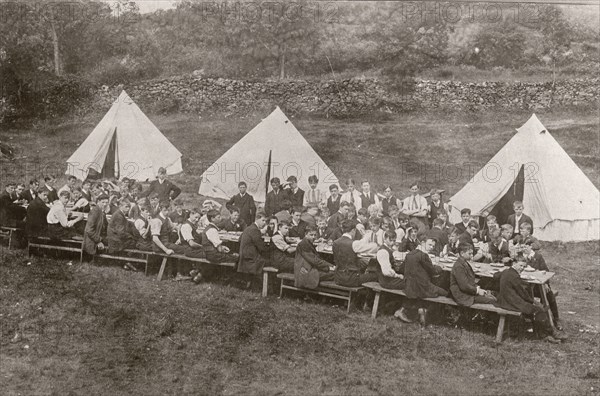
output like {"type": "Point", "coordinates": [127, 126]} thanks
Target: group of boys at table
{"type": "Point", "coordinates": [363, 230]}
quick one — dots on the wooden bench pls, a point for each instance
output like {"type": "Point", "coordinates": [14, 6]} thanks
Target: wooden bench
{"type": "Point", "coordinates": [7, 233]}
{"type": "Point", "coordinates": [265, 283]}
{"type": "Point", "coordinates": [326, 288]}
{"type": "Point", "coordinates": [49, 243]}
{"type": "Point", "coordinates": [165, 257]}
{"type": "Point", "coordinates": [376, 287]}
{"type": "Point", "coordinates": [143, 259]}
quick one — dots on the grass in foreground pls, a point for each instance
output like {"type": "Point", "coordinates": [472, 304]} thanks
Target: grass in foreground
{"type": "Point", "coordinates": [101, 330]}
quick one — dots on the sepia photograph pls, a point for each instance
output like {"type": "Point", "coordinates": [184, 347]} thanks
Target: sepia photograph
{"type": "Point", "coordinates": [303, 197]}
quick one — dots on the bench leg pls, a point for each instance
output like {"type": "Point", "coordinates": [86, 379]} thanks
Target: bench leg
{"type": "Point", "coordinates": [349, 302]}
{"type": "Point", "coordinates": [281, 289]}
{"type": "Point", "coordinates": [500, 331]}
{"type": "Point", "coordinates": [10, 235]}
{"type": "Point", "coordinates": [265, 284]}
{"type": "Point", "coordinates": [375, 305]}
{"type": "Point", "coordinates": [146, 269]}
{"type": "Point", "coordinates": [163, 265]}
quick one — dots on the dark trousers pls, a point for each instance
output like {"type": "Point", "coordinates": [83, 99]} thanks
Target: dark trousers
{"type": "Point", "coordinates": [354, 278]}
{"type": "Point", "coordinates": [56, 231]}
{"type": "Point", "coordinates": [391, 283]}
{"type": "Point", "coordinates": [285, 265]}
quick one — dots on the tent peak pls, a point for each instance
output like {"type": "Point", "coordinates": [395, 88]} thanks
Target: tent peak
{"type": "Point", "coordinates": [533, 125]}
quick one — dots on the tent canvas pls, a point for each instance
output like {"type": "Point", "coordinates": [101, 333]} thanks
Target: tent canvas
{"type": "Point", "coordinates": [124, 144]}
{"type": "Point", "coordinates": [274, 148]}
{"type": "Point", "coordinates": [562, 202]}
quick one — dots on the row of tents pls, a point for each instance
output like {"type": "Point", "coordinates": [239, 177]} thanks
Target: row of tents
{"type": "Point", "coordinates": [562, 202]}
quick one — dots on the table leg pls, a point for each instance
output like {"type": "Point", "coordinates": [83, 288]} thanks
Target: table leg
{"type": "Point", "coordinates": [375, 305]}
{"type": "Point", "coordinates": [544, 298]}
{"type": "Point", "coordinates": [163, 265]}
{"type": "Point", "coordinates": [265, 284]}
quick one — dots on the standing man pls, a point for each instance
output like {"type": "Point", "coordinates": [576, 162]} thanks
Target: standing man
{"type": "Point", "coordinates": [334, 200]}
{"type": "Point", "coordinates": [165, 189]}
{"type": "Point", "coordinates": [244, 202]}
{"type": "Point", "coordinates": [367, 197]}
{"type": "Point", "coordinates": [415, 206]}
{"type": "Point", "coordinates": [294, 193]}
{"type": "Point", "coordinates": [518, 218]}
{"type": "Point", "coordinates": [352, 196]}
{"type": "Point", "coordinates": [274, 198]}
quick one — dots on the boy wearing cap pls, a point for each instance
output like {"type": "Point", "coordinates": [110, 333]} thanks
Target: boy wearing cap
{"type": "Point", "coordinates": [244, 202]}
{"type": "Point", "coordinates": [164, 188]}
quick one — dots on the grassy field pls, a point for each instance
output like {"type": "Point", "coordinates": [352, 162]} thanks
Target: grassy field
{"type": "Point", "coordinates": [100, 330]}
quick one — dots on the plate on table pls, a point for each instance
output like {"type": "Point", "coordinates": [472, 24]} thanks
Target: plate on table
{"type": "Point", "coordinates": [498, 265]}
{"type": "Point", "coordinates": [527, 276]}
{"type": "Point", "coordinates": [529, 269]}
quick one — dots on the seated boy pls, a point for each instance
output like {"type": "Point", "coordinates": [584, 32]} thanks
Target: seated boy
{"type": "Point", "coordinates": [410, 241]}
{"type": "Point", "coordinates": [468, 237]}
{"type": "Point", "coordinates": [514, 296]}
{"type": "Point", "coordinates": [234, 223]}
{"type": "Point", "coordinates": [142, 232]}
{"type": "Point", "coordinates": [374, 234]}
{"type": "Point", "coordinates": [119, 234]}
{"type": "Point", "coordinates": [309, 267]}
{"type": "Point", "coordinates": [387, 277]}
{"type": "Point", "coordinates": [59, 225]}
{"type": "Point", "coordinates": [463, 284]}
{"type": "Point", "coordinates": [80, 203]}
{"type": "Point", "coordinates": [363, 223]}
{"type": "Point", "coordinates": [161, 228]}
{"type": "Point", "coordinates": [214, 249]}
{"type": "Point", "coordinates": [178, 215]}
{"type": "Point", "coordinates": [440, 236]}
{"type": "Point", "coordinates": [323, 233]}
{"type": "Point", "coordinates": [525, 238]}
{"type": "Point", "coordinates": [490, 224]}
{"type": "Point", "coordinates": [189, 237]}
{"type": "Point", "coordinates": [536, 260]}
{"type": "Point", "coordinates": [498, 247]}
{"type": "Point", "coordinates": [282, 252]}
{"type": "Point", "coordinates": [297, 225]}
{"type": "Point", "coordinates": [285, 214]}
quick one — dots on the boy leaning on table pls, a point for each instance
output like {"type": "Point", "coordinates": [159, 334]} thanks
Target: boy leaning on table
{"type": "Point", "coordinates": [463, 287]}
{"type": "Point", "coordinates": [514, 296]}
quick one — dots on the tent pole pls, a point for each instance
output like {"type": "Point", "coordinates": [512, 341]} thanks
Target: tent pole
{"type": "Point", "coordinates": [268, 175]}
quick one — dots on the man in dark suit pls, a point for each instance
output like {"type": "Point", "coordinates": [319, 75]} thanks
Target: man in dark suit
{"type": "Point", "coordinates": [514, 296]}
{"type": "Point", "coordinates": [37, 211]}
{"type": "Point", "coordinates": [367, 197]}
{"type": "Point", "coordinates": [334, 200]}
{"type": "Point", "coordinates": [244, 202]}
{"type": "Point", "coordinates": [11, 214]}
{"type": "Point", "coordinates": [463, 287]}
{"type": "Point", "coordinates": [309, 268]}
{"type": "Point", "coordinates": [350, 270]}
{"type": "Point", "coordinates": [94, 238]}
{"type": "Point", "coordinates": [253, 247]}
{"type": "Point", "coordinates": [119, 235]}
{"type": "Point", "coordinates": [275, 198]}
{"type": "Point", "coordinates": [49, 181]}
{"type": "Point", "coordinates": [335, 220]}
{"type": "Point", "coordinates": [32, 192]}
{"type": "Point", "coordinates": [420, 276]}
{"type": "Point", "coordinates": [165, 189]}
{"type": "Point", "coordinates": [294, 193]}
{"type": "Point", "coordinates": [439, 235]}
{"type": "Point", "coordinates": [234, 222]}
{"type": "Point", "coordinates": [518, 218]}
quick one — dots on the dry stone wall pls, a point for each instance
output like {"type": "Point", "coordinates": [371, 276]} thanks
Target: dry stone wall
{"type": "Point", "coordinates": [349, 97]}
